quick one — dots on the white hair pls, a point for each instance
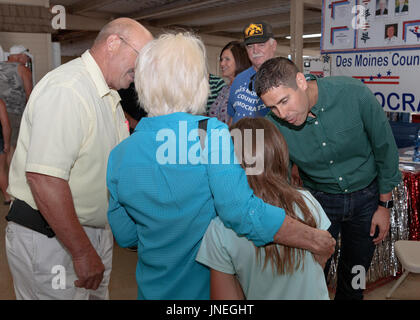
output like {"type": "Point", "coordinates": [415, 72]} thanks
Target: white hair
{"type": "Point", "coordinates": [171, 75]}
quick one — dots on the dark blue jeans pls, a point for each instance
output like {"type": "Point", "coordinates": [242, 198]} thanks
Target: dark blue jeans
{"type": "Point", "coordinates": [351, 216]}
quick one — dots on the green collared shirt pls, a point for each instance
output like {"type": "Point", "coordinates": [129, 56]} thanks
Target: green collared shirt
{"type": "Point", "coordinates": [348, 144]}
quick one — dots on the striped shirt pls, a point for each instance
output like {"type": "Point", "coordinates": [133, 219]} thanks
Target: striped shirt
{"type": "Point", "coordinates": [216, 84]}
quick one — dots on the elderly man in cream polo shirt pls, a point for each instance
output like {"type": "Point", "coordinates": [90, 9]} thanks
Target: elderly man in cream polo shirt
{"type": "Point", "coordinates": [58, 242]}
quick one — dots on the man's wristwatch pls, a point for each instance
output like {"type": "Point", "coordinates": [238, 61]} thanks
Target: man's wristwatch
{"type": "Point", "coordinates": [386, 204]}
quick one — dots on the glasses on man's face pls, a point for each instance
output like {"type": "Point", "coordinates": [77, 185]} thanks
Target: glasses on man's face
{"type": "Point", "coordinates": [125, 41]}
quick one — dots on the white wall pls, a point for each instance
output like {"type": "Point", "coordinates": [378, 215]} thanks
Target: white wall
{"type": "Point", "coordinates": [39, 45]}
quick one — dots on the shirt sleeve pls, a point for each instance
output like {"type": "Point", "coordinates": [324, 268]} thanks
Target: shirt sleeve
{"type": "Point", "coordinates": [60, 125]}
{"type": "Point", "coordinates": [318, 212]}
{"type": "Point", "coordinates": [382, 141]}
{"type": "Point", "coordinates": [213, 253]}
{"type": "Point", "coordinates": [235, 202]}
{"type": "Point", "coordinates": [122, 225]}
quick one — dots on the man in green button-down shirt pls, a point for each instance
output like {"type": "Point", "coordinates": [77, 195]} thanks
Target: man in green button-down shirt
{"type": "Point", "coordinates": [341, 141]}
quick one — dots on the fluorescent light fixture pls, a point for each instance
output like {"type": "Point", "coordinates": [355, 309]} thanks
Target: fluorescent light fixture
{"type": "Point", "coordinates": [290, 57]}
{"type": "Point", "coordinates": [305, 36]}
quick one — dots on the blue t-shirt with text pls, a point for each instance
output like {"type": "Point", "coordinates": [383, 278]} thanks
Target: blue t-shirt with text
{"type": "Point", "coordinates": [243, 102]}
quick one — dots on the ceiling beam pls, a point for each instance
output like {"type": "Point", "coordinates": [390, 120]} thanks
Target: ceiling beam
{"type": "Point", "coordinates": [74, 36]}
{"type": "Point", "coordinates": [315, 4]}
{"type": "Point", "coordinates": [279, 33]}
{"type": "Point", "coordinates": [171, 8]}
{"type": "Point", "coordinates": [76, 22]}
{"type": "Point", "coordinates": [225, 13]}
{"type": "Point", "coordinates": [240, 23]}
{"type": "Point", "coordinates": [88, 5]}
{"type": "Point", "coordinates": [285, 41]}
{"type": "Point", "coordinates": [307, 28]}
{"type": "Point", "coordinates": [296, 31]}
{"type": "Point", "coordinates": [283, 18]}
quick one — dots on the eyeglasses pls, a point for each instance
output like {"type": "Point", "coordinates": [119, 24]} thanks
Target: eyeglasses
{"type": "Point", "coordinates": [125, 41]}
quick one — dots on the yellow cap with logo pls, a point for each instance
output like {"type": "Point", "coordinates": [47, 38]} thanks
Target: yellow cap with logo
{"type": "Point", "coordinates": [257, 32]}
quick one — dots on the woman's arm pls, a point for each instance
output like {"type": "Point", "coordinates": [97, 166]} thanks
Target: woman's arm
{"type": "Point", "coordinates": [122, 225]}
{"type": "Point", "coordinates": [224, 286]}
{"type": "Point", "coordinates": [246, 214]}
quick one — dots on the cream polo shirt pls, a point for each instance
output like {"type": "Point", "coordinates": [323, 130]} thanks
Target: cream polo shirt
{"type": "Point", "coordinates": [70, 124]}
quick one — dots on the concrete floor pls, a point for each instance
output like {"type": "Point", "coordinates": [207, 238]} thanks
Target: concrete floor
{"type": "Point", "coordinates": [123, 283]}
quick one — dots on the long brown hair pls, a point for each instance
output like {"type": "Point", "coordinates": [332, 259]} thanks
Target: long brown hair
{"type": "Point", "coordinates": [240, 56]}
{"type": "Point", "coordinates": [273, 186]}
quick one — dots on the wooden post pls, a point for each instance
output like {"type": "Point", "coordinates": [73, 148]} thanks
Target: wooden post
{"type": "Point", "coordinates": [296, 32]}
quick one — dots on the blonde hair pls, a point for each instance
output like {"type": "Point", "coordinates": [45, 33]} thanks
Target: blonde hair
{"type": "Point", "coordinates": [171, 75]}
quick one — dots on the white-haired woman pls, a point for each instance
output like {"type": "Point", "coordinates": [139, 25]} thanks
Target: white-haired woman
{"type": "Point", "coordinates": [165, 189]}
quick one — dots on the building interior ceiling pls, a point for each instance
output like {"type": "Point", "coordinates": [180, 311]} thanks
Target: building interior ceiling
{"type": "Point", "coordinates": [213, 17]}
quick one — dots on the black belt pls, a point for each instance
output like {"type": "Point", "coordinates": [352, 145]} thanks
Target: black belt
{"type": "Point", "coordinates": [22, 213]}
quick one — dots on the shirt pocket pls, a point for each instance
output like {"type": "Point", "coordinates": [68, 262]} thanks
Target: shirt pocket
{"type": "Point", "coordinates": [352, 140]}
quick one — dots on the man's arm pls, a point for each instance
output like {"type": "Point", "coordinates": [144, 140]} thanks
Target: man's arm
{"type": "Point", "coordinates": [248, 215]}
{"type": "Point", "coordinates": [26, 76]}
{"type": "Point", "coordinates": [5, 124]}
{"type": "Point", "coordinates": [386, 157]}
{"type": "Point", "coordinates": [54, 200]}
{"type": "Point", "coordinates": [295, 234]}
{"type": "Point", "coordinates": [381, 219]}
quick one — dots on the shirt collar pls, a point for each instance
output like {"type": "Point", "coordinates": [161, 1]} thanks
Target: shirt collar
{"type": "Point", "coordinates": [321, 102]}
{"type": "Point", "coordinates": [98, 78]}
{"type": "Point", "coordinates": [96, 74]}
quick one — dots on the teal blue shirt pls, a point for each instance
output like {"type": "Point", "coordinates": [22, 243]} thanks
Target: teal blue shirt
{"type": "Point", "coordinates": [165, 209]}
{"type": "Point", "coordinates": [348, 144]}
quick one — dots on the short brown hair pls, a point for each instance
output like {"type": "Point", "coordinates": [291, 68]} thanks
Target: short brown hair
{"type": "Point", "coordinates": [275, 72]}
